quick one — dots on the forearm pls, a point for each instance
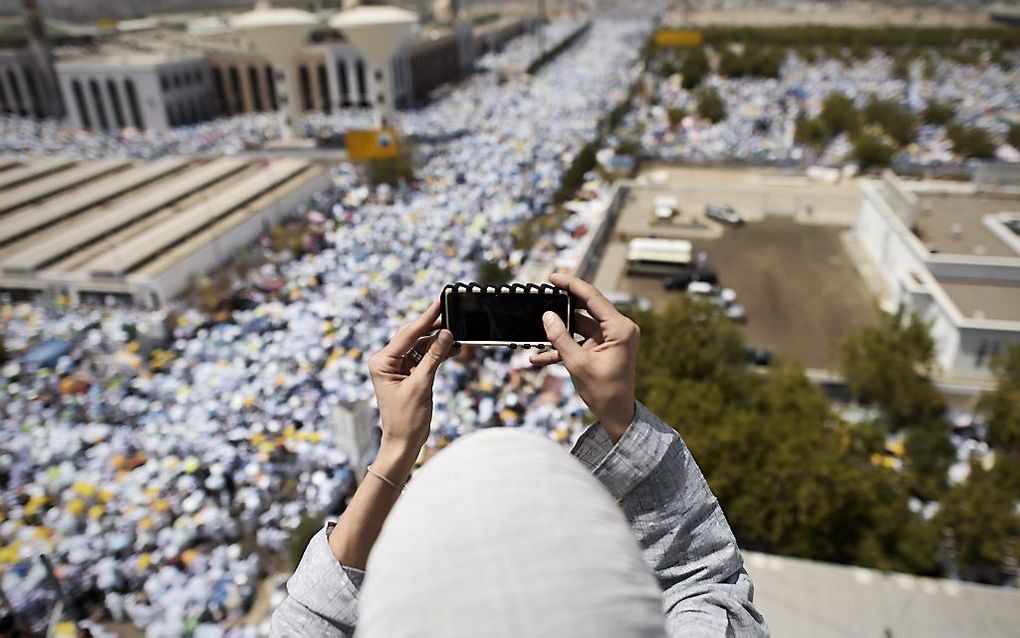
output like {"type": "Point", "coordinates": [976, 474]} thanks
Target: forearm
{"type": "Point", "coordinates": [357, 530]}
{"type": "Point", "coordinates": [683, 533]}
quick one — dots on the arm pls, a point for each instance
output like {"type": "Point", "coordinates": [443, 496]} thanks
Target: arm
{"type": "Point", "coordinates": [648, 469]}
{"type": "Point", "coordinates": [322, 595]}
{"type": "Point", "coordinates": [681, 528]}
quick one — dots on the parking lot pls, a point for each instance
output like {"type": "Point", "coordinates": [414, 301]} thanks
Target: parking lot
{"type": "Point", "coordinates": [797, 282]}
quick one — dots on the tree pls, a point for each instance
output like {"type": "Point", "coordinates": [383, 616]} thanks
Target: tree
{"type": "Point", "coordinates": [1001, 407]}
{"type": "Point", "coordinates": [929, 453]}
{"type": "Point", "coordinates": [1013, 136]}
{"type": "Point", "coordinates": [695, 68]}
{"type": "Point", "coordinates": [731, 65]}
{"type": "Point", "coordinates": [970, 141]}
{"type": "Point", "coordinates": [810, 132]}
{"type": "Point", "coordinates": [676, 115]}
{"type": "Point", "coordinates": [3, 349]}
{"type": "Point", "coordinates": [890, 363]}
{"type": "Point", "coordinates": [897, 122]}
{"type": "Point", "coordinates": [938, 113]}
{"type": "Point", "coordinates": [787, 472]}
{"type": "Point", "coordinates": [711, 105]}
{"type": "Point", "coordinates": [871, 148]}
{"type": "Point", "coordinates": [839, 114]}
{"type": "Point", "coordinates": [982, 519]}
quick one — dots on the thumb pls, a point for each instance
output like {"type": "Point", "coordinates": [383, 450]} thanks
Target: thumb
{"type": "Point", "coordinates": [560, 338]}
{"type": "Point", "coordinates": [426, 370]}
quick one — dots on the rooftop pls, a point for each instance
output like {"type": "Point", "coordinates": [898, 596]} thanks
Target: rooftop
{"type": "Point", "coordinates": [953, 224]}
{"type": "Point", "coordinates": [823, 600]}
{"type": "Point", "coordinates": [998, 301]}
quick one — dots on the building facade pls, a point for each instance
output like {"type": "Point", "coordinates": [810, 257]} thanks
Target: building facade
{"type": "Point", "coordinates": [951, 256]}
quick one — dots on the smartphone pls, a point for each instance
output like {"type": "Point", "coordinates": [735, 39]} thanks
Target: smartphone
{"type": "Point", "coordinates": [503, 316]}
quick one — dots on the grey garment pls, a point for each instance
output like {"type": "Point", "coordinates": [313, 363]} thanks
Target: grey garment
{"type": "Point", "coordinates": [500, 536]}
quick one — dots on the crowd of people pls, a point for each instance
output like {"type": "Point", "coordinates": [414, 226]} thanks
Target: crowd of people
{"type": "Point", "coordinates": [761, 113]}
{"type": "Point", "coordinates": [161, 460]}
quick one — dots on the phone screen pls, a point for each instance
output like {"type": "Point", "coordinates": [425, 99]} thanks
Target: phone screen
{"type": "Point", "coordinates": [512, 317]}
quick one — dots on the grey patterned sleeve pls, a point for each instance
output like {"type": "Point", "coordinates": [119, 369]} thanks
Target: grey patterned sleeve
{"type": "Point", "coordinates": [322, 595]}
{"type": "Point", "coordinates": [682, 530]}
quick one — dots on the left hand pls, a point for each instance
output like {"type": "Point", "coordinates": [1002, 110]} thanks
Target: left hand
{"type": "Point", "coordinates": [404, 392]}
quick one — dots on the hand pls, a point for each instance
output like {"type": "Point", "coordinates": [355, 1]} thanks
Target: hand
{"type": "Point", "coordinates": [603, 367]}
{"type": "Point", "coordinates": [404, 390]}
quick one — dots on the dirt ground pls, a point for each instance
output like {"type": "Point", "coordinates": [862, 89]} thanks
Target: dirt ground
{"type": "Point", "coordinates": [796, 281]}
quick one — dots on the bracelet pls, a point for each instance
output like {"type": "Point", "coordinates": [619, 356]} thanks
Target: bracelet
{"type": "Point", "coordinates": [399, 488]}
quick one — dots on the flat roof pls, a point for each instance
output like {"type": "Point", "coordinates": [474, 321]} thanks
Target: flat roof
{"type": "Point", "coordinates": [825, 600]}
{"type": "Point", "coordinates": [952, 224]}
{"type": "Point", "coordinates": [982, 300]}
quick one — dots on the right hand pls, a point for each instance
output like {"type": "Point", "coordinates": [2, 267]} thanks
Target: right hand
{"type": "Point", "coordinates": [603, 367]}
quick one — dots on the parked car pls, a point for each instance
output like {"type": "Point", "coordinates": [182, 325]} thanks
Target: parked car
{"type": "Point", "coordinates": [701, 289]}
{"type": "Point", "coordinates": [758, 356]}
{"type": "Point", "coordinates": [665, 207]}
{"type": "Point", "coordinates": [627, 302]}
{"type": "Point", "coordinates": [724, 214]}
{"type": "Point", "coordinates": [685, 276]}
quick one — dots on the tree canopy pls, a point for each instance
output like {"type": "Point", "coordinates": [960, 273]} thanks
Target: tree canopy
{"type": "Point", "coordinates": [711, 105]}
{"type": "Point", "coordinates": [1001, 407]}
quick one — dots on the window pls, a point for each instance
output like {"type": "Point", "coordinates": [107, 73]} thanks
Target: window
{"type": "Point", "coordinates": [17, 104]}
{"type": "Point", "coordinates": [164, 82]}
{"type": "Point", "coordinates": [256, 90]}
{"type": "Point", "coordinates": [136, 112]}
{"type": "Point", "coordinates": [237, 105]}
{"type": "Point", "coordinates": [221, 91]}
{"type": "Point", "coordinates": [97, 98]}
{"type": "Point", "coordinates": [271, 88]}
{"type": "Point", "coordinates": [306, 87]}
{"type": "Point", "coordinates": [79, 102]}
{"type": "Point", "coordinates": [3, 98]}
{"type": "Point", "coordinates": [359, 71]}
{"type": "Point", "coordinates": [341, 73]}
{"type": "Point", "coordinates": [118, 109]}
{"type": "Point", "coordinates": [324, 88]}
{"type": "Point", "coordinates": [33, 90]}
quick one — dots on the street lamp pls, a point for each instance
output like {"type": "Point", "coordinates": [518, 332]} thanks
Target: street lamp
{"type": "Point", "coordinates": [278, 35]}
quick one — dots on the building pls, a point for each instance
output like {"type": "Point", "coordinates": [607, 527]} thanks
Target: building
{"type": "Point", "coordinates": [155, 75]}
{"type": "Point", "coordinates": [824, 600]}
{"type": "Point", "coordinates": [949, 252]}
{"type": "Point", "coordinates": [139, 232]}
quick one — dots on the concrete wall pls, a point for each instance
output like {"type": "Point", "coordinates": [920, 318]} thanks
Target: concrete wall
{"type": "Point", "coordinates": [21, 84]}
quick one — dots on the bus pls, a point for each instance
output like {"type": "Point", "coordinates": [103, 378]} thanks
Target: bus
{"type": "Point", "coordinates": [659, 257]}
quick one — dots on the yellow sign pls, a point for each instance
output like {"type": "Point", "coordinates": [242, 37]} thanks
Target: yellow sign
{"type": "Point", "coordinates": [369, 144]}
{"type": "Point", "coordinates": [679, 38]}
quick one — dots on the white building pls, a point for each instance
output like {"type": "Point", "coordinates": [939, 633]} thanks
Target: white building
{"type": "Point", "coordinates": [948, 253]}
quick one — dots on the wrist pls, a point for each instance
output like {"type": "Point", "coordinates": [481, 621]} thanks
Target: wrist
{"type": "Point", "coordinates": [395, 459]}
{"type": "Point", "coordinates": [616, 421]}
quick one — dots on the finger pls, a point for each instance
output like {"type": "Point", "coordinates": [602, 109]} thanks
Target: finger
{"type": "Point", "coordinates": [560, 339]}
{"type": "Point", "coordinates": [588, 296]}
{"type": "Point", "coordinates": [404, 339]}
{"type": "Point", "coordinates": [587, 327]}
{"type": "Point", "coordinates": [436, 354]}
{"type": "Point", "coordinates": [545, 358]}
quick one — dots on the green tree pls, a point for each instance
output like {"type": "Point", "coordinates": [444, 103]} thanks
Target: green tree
{"type": "Point", "coordinates": [897, 122]}
{"type": "Point", "coordinates": [732, 65]}
{"type": "Point", "coordinates": [981, 517]}
{"type": "Point", "coordinates": [694, 68]}
{"type": "Point", "coordinates": [492, 273]}
{"type": "Point", "coordinates": [839, 114]}
{"type": "Point", "coordinates": [938, 113]}
{"type": "Point", "coordinates": [890, 363]}
{"type": "Point", "coordinates": [812, 491]}
{"type": "Point", "coordinates": [871, 148]}
{"type": "Point", "coordinates": [929, 453]}
{"type": "Point", "coordinates": [810, 132]}
{"type": "Point", "coordinates": [711, 105]}
{"type": "Point", "coordinates": [970, 141]}
{"type": "Point", "coordinates": [1013, 135]}
{"type": "Point", "coordinates": [1001, 407]}
{"type": "Point", "coordinates": [676, 115]}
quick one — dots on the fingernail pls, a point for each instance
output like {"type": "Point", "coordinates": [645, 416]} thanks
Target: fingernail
{"type": "Point", "coordinates": [548, 317]}
{"type": "Point", "coordinates": [445, 337]}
